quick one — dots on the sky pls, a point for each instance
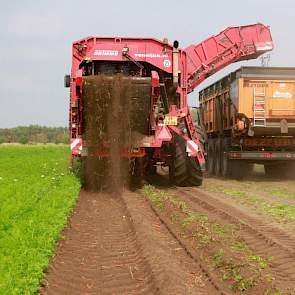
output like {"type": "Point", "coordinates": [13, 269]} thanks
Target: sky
{"type": "Point", "coordinates": [36, 37]}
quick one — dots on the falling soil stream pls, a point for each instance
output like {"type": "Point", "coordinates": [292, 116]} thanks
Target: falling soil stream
{"type": "Point", "coordinates": [115, 111]}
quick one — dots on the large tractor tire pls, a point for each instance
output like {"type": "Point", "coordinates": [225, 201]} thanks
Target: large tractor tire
{"type": "Point", "coordinates": [186, 171]}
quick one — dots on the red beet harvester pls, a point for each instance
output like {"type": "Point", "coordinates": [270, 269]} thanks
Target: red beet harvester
{"type": "Point", "coordinates": [171, 73]}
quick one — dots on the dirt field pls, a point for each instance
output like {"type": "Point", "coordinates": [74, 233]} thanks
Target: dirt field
{"type": "Point", "coordinates": [116, 245]}
{"type": "Point", "coordinates": [272, 199]}
{"type": "Point", "coordinates": [168, 240]}
{"type": "Point", "coordinates": [227, 237]}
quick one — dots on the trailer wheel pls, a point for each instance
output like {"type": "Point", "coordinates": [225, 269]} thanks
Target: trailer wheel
{"type": "Point", "coordinates": [280, 170]}
{"type": "Point", "coordinates": [276, 170]}
{"type": "Point", "coordinates": [186, 172]}
{"type": "Point", "coordinates": [210, 158]}
{"type": "Point", "coordinates": [290, 171]}
{"type": "Point", "coordinates": [217, 157]}
{"type": "Point", "coordinates": [226, 166]}
{"type": "Point", "coordinates": [226, 163]}
{"type": "Point", "coordinates": [240, 169]}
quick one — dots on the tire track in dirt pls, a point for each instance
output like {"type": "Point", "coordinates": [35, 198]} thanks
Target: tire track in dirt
{"type": "Point", "coordinates": [175, 271]}
{"type": "Point", "coordinates": [212, 280]}
{"type": "Point", "coordinates": [100, 253]}
{"type": "Point", "coordinates": [117, 245]}
{"type": "Point", "coordinates": [261, 237]}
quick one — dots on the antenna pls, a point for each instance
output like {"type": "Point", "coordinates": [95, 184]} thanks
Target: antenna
{"type": "Point", "coordinates": [265, 60]}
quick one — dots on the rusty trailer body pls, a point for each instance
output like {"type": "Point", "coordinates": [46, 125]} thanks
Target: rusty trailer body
{"type": "Point", "coordinates": [249, 117]}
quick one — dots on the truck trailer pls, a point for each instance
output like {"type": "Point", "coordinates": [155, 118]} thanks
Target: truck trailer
{"type": "Point", "coordinates": [249, 117]}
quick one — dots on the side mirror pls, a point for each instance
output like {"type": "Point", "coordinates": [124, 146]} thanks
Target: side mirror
{"type": "Point", "coordinates": [67, 81]}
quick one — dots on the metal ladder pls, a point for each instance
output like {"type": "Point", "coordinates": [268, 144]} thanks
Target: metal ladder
{"type": "Point", "coordinates": [259, 112]}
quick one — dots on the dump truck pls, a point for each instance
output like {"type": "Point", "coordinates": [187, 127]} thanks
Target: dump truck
{"type": "Point", "coordinates": [141, 85]}
{"type": "Point", "coordinates": [249, 117]}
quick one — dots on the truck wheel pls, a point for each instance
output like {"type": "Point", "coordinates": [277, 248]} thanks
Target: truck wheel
{"type": "Point", "coordinates": [276, 170]}
{"type": "Point", "coordinates": [248, 169]}
{"type": "Point", "coordinates": [240, 169]}
{"type": "Point", "coordinates": [290, 171]}
{"type": "Point", "coordinates": [271, 170]}
{"type": "Point", "coordinates": [226, 166]}
{"type": "Point", "coordinates": [225, 162]}
{"type": "Point", "coordinates": [186, 170]}
{"type": "Point", "coordinates": [210, 158]}
{"type": "Point", "coordinates": [217, 157]}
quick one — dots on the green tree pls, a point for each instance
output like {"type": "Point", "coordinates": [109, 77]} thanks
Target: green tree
{"type": "Point", "coordinates": [35, 134]}
{"type": "Point", "coordinates": [23, 139]}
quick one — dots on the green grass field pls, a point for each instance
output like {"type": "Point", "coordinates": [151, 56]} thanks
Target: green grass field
{"type": "Point", "coordinates": [37, 193]}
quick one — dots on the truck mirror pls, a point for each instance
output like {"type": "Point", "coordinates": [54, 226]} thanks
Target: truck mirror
{"type": "Point", "coordinates": [67, 81]}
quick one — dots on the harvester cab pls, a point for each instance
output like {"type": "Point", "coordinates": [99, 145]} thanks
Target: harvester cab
{"type": "Point", "coordinates": [129, 99]}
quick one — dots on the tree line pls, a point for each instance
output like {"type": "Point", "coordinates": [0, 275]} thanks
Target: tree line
{"type": "Point", "coordinates": [34, 134]}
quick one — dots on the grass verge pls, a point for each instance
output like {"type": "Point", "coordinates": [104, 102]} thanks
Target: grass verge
{"type": "Point", "coordinates": [280, 211]}
{"type": "Point", "coordinates": [37, 193]}
{"type": "Point", "coordinates": [267, 198]}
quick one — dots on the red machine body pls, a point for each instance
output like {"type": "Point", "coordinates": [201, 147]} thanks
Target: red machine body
{"type": "Point", "coordinates": [170, 68]}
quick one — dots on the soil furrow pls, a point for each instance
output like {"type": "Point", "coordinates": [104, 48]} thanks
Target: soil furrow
{"type": "Point", "coordinates": [111, 257]}
{"type": "Point", "coordinates": [176, 270]}
{"type": "Point", "coordinates": [264, 239]}
{"type": "Point", "coordinates": [117, 245]}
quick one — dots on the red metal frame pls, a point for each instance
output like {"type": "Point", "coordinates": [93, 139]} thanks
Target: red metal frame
{"type": "Point", "coordinates": [261, 155]}
{"type": "Point", "coordinates": [195, 63]}
{"type": "Point", "coordinates": [231, 45]}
